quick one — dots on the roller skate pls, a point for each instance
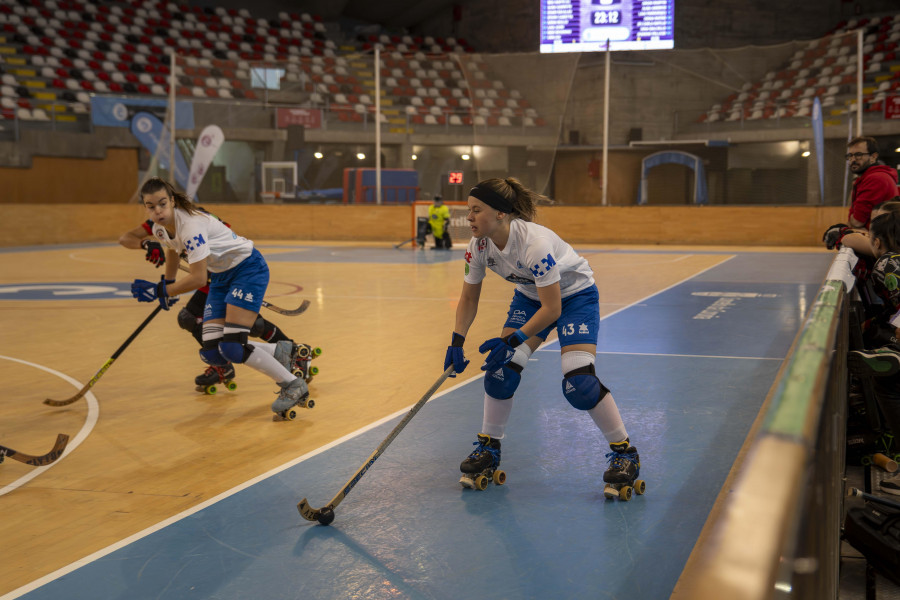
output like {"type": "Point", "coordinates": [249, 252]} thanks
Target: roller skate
{"type": "Point", "coordinates": [207, 381]}
{"type": "Point", "coordinates": [621, 477]}
{"type": "Point", "coordinates": [293, 395]}
{"type": "Point", "coordinates": [302, 356]}
{"type": "Point", "coordinates": [480, 467]}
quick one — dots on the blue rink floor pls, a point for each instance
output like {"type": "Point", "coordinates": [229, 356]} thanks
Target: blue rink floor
{"type": "Point", "coordinates": [689, 368]}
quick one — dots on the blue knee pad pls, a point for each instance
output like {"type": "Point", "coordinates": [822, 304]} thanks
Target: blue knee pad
{"type": "Point", "coordinates": [582, 388]}
{"type": "Point", "coordinates": [211, 355]}
{"type": "Point", "coordinates": [502, 383]}
{"type": "Point", "coordinates": [234, 347]}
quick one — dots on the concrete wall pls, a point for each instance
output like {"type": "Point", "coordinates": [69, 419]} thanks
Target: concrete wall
{"type": "Point", "coordinates": [37, 224]}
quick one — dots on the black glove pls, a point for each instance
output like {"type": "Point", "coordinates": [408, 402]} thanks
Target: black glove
{"type": "Point", "coordinates": [834, 234]}
{"type": "Point", "coordinates": [155, 253]}
{"type": "Point", "coordinates": [455, 355]}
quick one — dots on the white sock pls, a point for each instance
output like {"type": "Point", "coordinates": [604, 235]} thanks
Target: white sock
{"type": "Point", "coordinates": [260, 360]}
{"type": "Point", "coordinates": [496, 415]}
{"type": "Point", "coordinates": [496, 412]}
{"type": "Point", "coordinates": [606, 413]}
{"type": "Point", "coordinates": [270, 348]}
{"type": "Point", "coordinates": [606, 416]}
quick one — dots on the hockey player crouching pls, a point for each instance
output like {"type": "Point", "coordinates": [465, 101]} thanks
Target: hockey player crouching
{"type": "Point", "coordinates": [190, 317]}
{"type": "Point", "coordinates": [554, 288]}
{"type": "Point", "coordinates": [238, 278]}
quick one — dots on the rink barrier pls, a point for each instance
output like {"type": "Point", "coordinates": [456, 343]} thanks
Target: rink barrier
{"type": "Point", "coordinates": [775, 529]}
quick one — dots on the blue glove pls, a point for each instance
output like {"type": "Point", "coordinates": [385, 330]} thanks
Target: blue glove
{"type": "Point", "coordinates": [147, 291]}
{"type": "Point", "coordinates": [501, 350]}
{"type": "Point", "coordinates": [455, 355]}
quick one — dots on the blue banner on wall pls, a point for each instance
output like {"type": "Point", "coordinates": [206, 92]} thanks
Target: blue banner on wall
{"type": "Point", "coordinates": [149, 131]}
{"type": "Point", "coordinates": [819, 142]}
{"type": "Point", "coordinates": [118, 112]}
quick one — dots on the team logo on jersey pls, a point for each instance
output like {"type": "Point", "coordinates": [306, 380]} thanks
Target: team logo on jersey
{"type": "Point", "coordinates": [482, 244]}
{"type": "Point", "coordinates": [543, 267]}
{"type": "Point", "coordinates": [194, 242]}
{"type": "Point", "coordinates": [519, 279]}
{"type": "Point", "coordinates": [491, 263]}
{"type": "Point", "coordinates": [468, 256]}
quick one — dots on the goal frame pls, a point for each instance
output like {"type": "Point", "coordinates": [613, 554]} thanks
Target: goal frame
{"type": "Point", "coordinates": [459, 240]}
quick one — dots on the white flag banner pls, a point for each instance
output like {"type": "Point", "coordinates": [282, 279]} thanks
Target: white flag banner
{"type": "Point", "coordinates": [208, 144]}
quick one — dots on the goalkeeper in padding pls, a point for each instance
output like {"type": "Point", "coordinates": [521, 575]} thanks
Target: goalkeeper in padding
{"type": "Point", "coordinates": [439, 220]}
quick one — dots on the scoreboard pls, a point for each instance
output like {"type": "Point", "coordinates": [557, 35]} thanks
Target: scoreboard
{"type": "Point", "coordinates": [587, 25]}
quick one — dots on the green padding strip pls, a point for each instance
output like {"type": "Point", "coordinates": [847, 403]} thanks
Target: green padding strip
{"type": "Point", "coordinates": [789, 410]}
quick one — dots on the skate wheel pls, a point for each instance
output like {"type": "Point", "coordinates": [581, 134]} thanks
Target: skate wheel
{"type": "Point", "coordinates": [316, 351]}
{"type": "Point", "coordinates": [290, 414]}
{"type": "Point", "coordinates": [481, 482]}
{"type": "Point", "coordinates": [299, 373]}
{"type": "Point", "coordinates": [610, 492]}
{"type": "Point", "coordinates": [211, 390]}
{"type": "Point", "coordinates": [310, 403]}
{"type": "Point", "coordinates": [640, 487]}
{"type": "Point", "coordinates": [625, 493]}
{"type": "Point", "coordinates": [866, 460]}
{"type": "Point", "coordinates": [303, 351]}
{"type": "Point", "coordinates": [231, 385]}
{"type": "Point", "coordinates": [499, 477]}
{"type": "Point", "coordinates": [313, 371]}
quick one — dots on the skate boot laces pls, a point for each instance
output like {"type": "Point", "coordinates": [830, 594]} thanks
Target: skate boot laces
{"type": "Point", "coordinates": [483, 446]}
{"type": "Point", "coordinates": [619, 461]}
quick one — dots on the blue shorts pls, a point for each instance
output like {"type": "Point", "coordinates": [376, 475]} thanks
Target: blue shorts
{"type": "Point", "coordinates": [243, 286]}
{"type": "Point", "coordinates": [579, 322]}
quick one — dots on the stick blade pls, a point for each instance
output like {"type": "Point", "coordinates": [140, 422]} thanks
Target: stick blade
{"type": "Point", "coordinates": [300, 309]}
{"type": "Point", "coordinates": [68, 401]}
{"type": "Point", "coordinates": [307, 512]}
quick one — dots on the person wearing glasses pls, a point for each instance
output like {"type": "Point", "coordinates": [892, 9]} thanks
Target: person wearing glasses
{"type": "Point", "coordinates": [875, 182]}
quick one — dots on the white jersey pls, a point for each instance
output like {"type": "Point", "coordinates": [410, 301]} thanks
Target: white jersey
{"type": "Point", "coordinates": [202, 235]}
{"type": "Point", "coordinates": [534, 257]}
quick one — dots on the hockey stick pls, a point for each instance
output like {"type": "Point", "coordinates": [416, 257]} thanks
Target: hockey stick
{"type": "Point", "coordinates": [37, 461]}
{"type": "Point", "coordinates": [106, 365]}
{"type": "Point", "coordinates": [325, 515]}
{"type": "Point", "coordinates": [872, 498]}
{"type": "Point", "coordinates": [404, 242]}
{"type": "Point", "coordinates": [290, 312]}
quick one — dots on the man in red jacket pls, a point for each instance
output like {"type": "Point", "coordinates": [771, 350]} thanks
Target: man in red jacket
{"type": "Point", "coordinates": [875, 182]}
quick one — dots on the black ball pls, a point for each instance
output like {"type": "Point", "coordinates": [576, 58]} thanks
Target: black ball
{"type": "Point", "coordinates": [326, 516]}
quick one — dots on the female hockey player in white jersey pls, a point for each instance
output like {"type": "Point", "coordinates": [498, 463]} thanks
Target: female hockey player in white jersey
{"type": "Point", "coordinates": [554, 287]}
{"type": "Point", "coordinates": [238, 277]}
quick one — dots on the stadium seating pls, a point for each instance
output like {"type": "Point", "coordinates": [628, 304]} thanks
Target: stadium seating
{"type": "Point", "coordinates": [123, 47]}
{"type": "Point", "coordinates": [826, 68]}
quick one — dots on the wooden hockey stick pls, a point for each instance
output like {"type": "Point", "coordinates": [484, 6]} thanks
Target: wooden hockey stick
{"type": "Point", "coordinates": [404, 242]}
{"type": "Point", "coordinates": [289, 312]}
{"type": "Point", "coordinates": [37, 461]}
{"type": "Point", "coordinates": [106, 365]}
{"type": "Point", "coordinates": [325, 515]}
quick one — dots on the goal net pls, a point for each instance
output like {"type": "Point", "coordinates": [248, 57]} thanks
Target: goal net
{"type": "Point", "coordinates": [458, 227]}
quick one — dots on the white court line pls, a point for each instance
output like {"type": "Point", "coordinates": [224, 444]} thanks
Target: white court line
{"type": "Point", "coordinates": [29, 587]}
{"type": "Point", "coordinates": [228, 493]}
{"type": "Point", "coordinates": [91, 420]}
